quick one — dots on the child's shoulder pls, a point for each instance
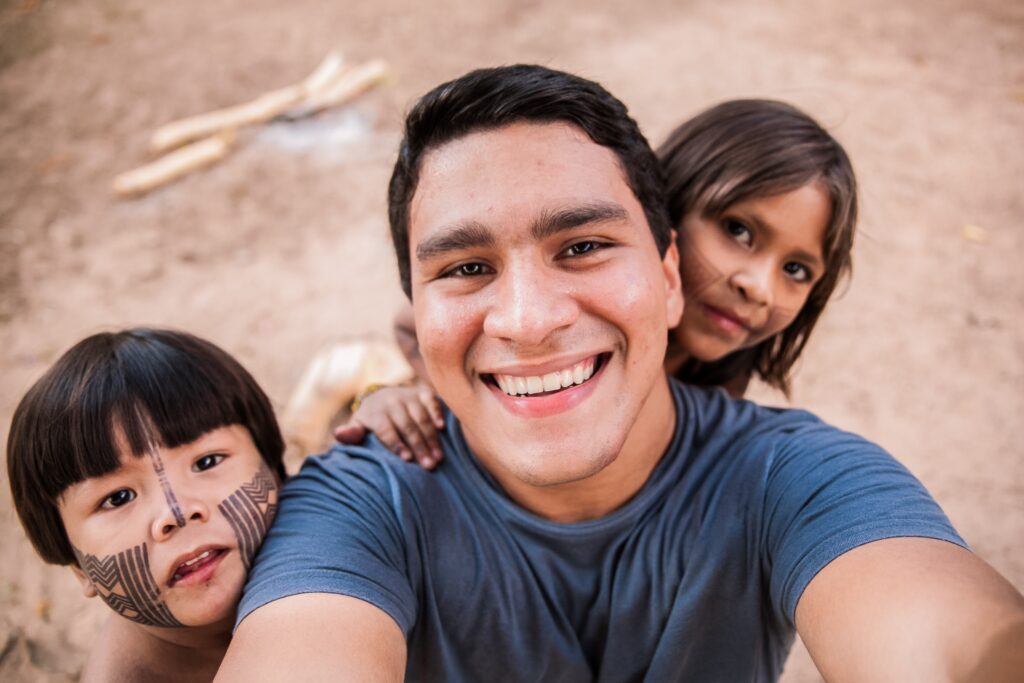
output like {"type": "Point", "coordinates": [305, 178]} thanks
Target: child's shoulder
{"type": "Point", "coordinates": [124, 653]}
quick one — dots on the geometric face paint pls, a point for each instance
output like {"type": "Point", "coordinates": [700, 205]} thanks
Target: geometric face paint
{"type": "Point", "coordinates": [250, 511]}
{"type": "Point", "coordinates": [124, 581]}
{"type": "Point", "coordinates": [158, 465]}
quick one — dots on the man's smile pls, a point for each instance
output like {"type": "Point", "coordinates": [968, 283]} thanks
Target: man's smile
{"type": "Point", "coordinates": [550, 382]}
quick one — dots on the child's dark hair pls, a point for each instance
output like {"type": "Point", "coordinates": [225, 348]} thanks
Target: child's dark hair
{"type": "Point", "coordinates": [747, 149]}
{"type": "Point", "coordinates": [140, 382]}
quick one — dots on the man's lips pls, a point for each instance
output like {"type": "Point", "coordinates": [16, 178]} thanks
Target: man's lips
{"type": "Point", "coordinates": [555, 401]}
{"type": "Point", "coordinates": [527, 384]}
{"type": "Point", "coordinates": [196, 566]}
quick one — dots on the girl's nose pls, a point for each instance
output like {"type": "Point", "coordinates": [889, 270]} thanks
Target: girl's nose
{"type": "Point", "coordinates": [754, 283]}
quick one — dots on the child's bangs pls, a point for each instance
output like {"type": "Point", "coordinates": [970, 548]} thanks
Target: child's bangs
{"type": "Point", "coordinates": [171, 397]}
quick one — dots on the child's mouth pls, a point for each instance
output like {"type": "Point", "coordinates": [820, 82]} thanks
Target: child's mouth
{"type": "Point", "coordinates": [198, 568]}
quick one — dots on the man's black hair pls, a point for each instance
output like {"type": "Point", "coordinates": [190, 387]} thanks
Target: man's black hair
{"type": "Point", "coordinates": [144, 383]}
{"type": "Point", "coordinates": [491, 98]}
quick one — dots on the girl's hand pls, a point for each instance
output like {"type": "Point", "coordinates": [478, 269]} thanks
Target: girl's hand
{"type": "Point", "coordinates": [405, 419]}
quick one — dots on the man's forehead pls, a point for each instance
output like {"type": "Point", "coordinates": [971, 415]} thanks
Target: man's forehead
{"type": "Point", "coordinates": [525, 169]}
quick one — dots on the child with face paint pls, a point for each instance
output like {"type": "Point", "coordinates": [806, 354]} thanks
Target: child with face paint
{"type": "Point", "coordinates": [149, 462]}
{"type": "Point", "coordinates": [764, 202]}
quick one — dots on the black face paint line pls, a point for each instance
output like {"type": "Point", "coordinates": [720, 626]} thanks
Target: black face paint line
{"type": "Point", "coordinates": [249, 511]}
{"type": "Point", "coordinates": [158, 466]}
{"type": "Point", "coordinates": [124, 581]}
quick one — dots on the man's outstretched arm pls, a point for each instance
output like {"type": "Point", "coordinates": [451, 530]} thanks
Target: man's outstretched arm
{"type": "Point", "coordinates": [316, 637]}
{"type": "Point", "coordinates": [912, 609]}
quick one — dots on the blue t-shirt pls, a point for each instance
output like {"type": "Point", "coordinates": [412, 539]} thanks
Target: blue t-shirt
{"type": "Point", "coordinates": [695, 579]}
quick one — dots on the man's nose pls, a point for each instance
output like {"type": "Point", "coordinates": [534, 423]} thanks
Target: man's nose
{"type": "Point", "coordinates": [175, 511]}
{"type": "Point", "coordinates": [753, 281]}
{"type": "Point", "coordinates": [530, 303]}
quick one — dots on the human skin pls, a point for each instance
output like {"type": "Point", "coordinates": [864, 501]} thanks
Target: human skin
{"type": "Point", "coordinates": [532, 255]}
{"type": "Point", "coordinates": [748, 272]}
{"type": "Point", "coordinates": [499, 290]}
{"type": "Point", "coordinates": [207, 503]}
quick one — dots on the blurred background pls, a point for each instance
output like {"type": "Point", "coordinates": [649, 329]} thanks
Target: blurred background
{"type": "Point", "coordinates": [282, 248]}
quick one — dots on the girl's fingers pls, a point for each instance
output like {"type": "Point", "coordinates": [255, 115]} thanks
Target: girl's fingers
{"type": "Point", "coordinates": [350, 433]}
{"type": "Point", "coordinates": [409, 431]}
{"type": "Point", "coordinates": [429, 401]}
{"type": "Point", "coordinates": [426, 427]}
{"type": "Point", "coordinates": [391, 439]}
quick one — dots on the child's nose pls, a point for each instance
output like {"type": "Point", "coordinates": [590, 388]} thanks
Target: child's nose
{"type": "Point", "coordinates": [178, 512]}
{"type": "Point", "coordinates": [754, 283]}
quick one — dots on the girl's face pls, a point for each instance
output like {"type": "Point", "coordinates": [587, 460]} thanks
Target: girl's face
{"type": "Point", "coordinates": [167, 538]}
{"type": "Point", "coordinates": [747, 273]}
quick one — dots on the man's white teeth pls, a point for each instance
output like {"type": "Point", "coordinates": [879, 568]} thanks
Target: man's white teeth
{"type": "Point", "coordinates": [197, 558]}
{"type": "Point", "coordinates": [553, 381]}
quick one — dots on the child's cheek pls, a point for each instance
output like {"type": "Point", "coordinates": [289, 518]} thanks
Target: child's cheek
{"type": "Point", "coordinates": [249, 511]}
{"type": "Point", "coordinates": [125, 582]}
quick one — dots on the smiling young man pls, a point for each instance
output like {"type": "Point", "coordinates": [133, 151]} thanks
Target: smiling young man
{"type": "Point", "coordinates": [610, 526]}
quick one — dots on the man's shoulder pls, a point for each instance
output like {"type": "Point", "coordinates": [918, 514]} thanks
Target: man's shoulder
{"type": "Point", "coordinates": [369, 464]}
{"type": "Point", "coordinates": [768, 437]}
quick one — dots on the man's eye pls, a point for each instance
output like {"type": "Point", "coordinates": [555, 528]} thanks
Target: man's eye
{"type": "Point", "coordinates": [738, 231]}
{"type": "Point", "coordinates": [581, 248]}
{"type": "Point", "coordinates": [207, 461]}
{"type": "Point", "coordinates": [117, 499]}
{"type": "Point", "coordinates": [467, 270]}
{"type": "Point", "coordinates": [797, 271]}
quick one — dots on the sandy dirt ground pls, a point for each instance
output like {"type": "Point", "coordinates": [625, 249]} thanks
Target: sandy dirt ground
{"type": "Point", "coordinates": [283, 248]}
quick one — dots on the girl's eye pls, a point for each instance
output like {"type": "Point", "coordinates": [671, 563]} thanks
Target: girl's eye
{"type": "Point", "coordinates": [468, 270]}
{"type": "Point", "coordinates": [797, 271]}
{"type": "Point", "coordinates": [207, 461]}
{"type": "Point", "coordinates": [581, 248]}
{"type": "Point", "coordinates": [117, 499]}
{"type": "Point", "coordinates": [738, 231]}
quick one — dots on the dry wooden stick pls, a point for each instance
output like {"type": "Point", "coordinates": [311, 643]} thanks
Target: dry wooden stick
{"type": "Point", "coordinates": [263, 108]}
{"type": "Point", "coordinates": [347, 85]}
{"type": "Point", "coordinates": [174, 165]}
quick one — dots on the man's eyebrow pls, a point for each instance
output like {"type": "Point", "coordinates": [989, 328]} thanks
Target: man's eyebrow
{"type": "Point", "coordinates": [461, 236]}
{"type": "Point", "coordinates": [553, 222]}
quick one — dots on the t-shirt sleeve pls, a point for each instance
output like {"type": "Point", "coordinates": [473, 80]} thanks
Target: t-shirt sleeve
{"type": "Point", "coordinates": [828, 492]}
{"type": "Point", "coordinates": [338, 530]}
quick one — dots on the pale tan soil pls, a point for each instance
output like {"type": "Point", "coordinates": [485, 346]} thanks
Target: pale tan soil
{"type": "Point", "coordinates": [283, 247]}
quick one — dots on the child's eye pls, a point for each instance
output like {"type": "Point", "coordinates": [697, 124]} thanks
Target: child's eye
{"type": "Point", "coordinates": [207, 461]}
{"type": "Point", "coordinates": [117, 499]}
{"type": "Point", "coordinates": [738, 231]}
{"type": "Point", "coordinates": [472, 269]}
{"type": "Point", "coordinates": [797, 271]}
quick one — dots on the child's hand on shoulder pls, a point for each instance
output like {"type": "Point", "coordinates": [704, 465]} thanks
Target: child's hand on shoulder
{"type": "Point", "coordinates": [406, 419]}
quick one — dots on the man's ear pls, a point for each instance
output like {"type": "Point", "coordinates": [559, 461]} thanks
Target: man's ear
{"type": "Point", "coordinates": [87, 587]}
{"type": "Point", "coordinates": [673, 283]}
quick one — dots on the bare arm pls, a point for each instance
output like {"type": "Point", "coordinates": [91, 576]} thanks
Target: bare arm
{"type": "Point", "coordinates": [405, 336]}
{"type": "Point", "coordinates": [912, 609]}
{"type": "Point", "coordinates": [316, 637]}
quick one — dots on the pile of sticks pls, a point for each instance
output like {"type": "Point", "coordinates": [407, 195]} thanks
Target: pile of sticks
{"type": "Point", "coordinates": [199, 141]}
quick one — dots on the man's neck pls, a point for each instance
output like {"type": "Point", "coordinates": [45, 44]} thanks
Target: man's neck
{"type": "Point", "coordinates": [613, 486]}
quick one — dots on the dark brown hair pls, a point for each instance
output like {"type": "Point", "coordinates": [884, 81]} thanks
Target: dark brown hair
{"type": "Point", "coordinates": [747, 149]}
{"type": "Point", "coordinates": [491, 98]}
{"type": "Point", "coordinates": [172, 385]}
